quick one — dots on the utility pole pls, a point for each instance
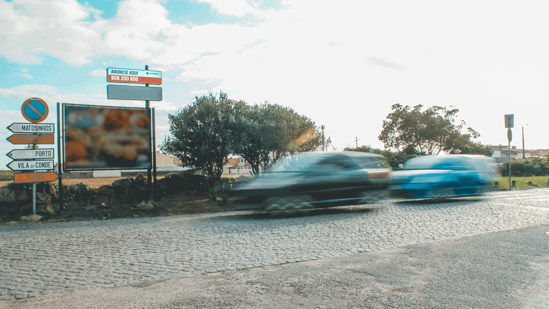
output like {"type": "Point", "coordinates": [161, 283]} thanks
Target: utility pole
{"type": "Point", "coordinates": [323, 139]}
{"type": "Point", "coordinates": [523, 149]}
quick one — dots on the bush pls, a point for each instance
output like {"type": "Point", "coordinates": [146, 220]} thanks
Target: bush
{"type": "Point", "coordinates": [6, 175]}
{"type": "Point", "coordinates": [525, 167]}
{"type": "Point", "coordinates": [181, 182]}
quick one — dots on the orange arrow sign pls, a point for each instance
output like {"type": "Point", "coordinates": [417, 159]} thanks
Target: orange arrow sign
{"type": "Point", "coordinates": [35, 177]}
{"type": "Point", "coordinates": [31, 139]}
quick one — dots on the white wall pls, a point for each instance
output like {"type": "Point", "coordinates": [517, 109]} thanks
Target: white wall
{"type": "Point", "coordinates": [106, 174]}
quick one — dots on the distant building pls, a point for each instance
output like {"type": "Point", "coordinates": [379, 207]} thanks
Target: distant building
{"type": "Point", "coordinates": [163, 159]}
{"type": "Point", "coordinates": [237, 165]}
{"type": "Point", "coordinates": [501, 153]}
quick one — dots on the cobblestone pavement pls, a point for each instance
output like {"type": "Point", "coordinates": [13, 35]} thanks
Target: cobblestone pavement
{"type": "Point", "coordinates": [50, 258]}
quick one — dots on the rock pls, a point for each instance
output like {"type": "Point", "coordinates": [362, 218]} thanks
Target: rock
{"type": "Point", "coordinates": [31, 218]}
{"type": "Point", "coordinates": [104, 195]}
{"type": "Point", "coordinates": [42, 197]}
{"type": "Point", "coordinates": [4, 196]}
{"type": "Point", "coordinates": [52, 190]}
{"type": "Point", "coordinates": [49, 210]}
{"type": "Point", "coordinates": [140, 179]}
{"type": "Point", "coordinates": [34, 218]}
{"type": "Point", "coordinates": [124, 183]}
{"type": "Point", "coordinates": [145, 206]}
{"type": "Point", "coordinates": [25, 208]}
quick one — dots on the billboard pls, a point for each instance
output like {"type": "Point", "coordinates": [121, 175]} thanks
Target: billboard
{"type": "Point", "coordinates": [106, 137]}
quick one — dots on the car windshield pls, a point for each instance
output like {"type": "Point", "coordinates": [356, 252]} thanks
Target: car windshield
{"type": "Point", "coordinates": [367, 162]}
{"type": "Point", "coordinates": [426, 162]}
{"type": "Point", "coordinates": [439, 163]}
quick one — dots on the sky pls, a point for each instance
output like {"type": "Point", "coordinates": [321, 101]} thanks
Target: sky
{"type": "Point", "coordinates": [343, 64]}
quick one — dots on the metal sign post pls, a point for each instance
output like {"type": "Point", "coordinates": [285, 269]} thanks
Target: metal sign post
{"type": "Point", "coordinates": [59, 170]}
{"type": "Point", "coordinates": [147, 94]}
{"type": "Point", "coordinates": [149, 170]}
{"type": "Point", "coordinates": [509, 123]}
{"type": "Point", "coordinates": [35, 110]}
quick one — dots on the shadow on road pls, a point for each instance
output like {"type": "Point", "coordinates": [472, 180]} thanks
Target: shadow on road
{"type": "Point", "coordinates": [448, 201]}
{"type": "Point", "coordinates": [260, 215]}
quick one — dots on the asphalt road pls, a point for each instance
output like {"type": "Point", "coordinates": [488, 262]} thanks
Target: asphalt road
{"type": "Point", "coordinates": [396, 254]}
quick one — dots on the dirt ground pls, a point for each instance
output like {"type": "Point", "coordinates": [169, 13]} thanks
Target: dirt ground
{"type": "Point", "coordinates": [98, 182]}
{"type": "Point", "coordinates": [92, 182]}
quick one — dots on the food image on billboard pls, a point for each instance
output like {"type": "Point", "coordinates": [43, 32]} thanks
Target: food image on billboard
{"type": "Point", "coordinates": [105, 137]}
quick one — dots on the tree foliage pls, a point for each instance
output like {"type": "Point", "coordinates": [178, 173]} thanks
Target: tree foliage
{"type": "Point", "coordinates": [392, 159]}
{"type": "Point", "coordinates": [202, 134]}
{"type": "Point", "coordinates": [428, 132]}
{"type": "Point", "coordinates": [268, 132]}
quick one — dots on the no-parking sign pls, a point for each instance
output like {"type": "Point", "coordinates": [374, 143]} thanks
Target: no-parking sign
{"type": "Point", "coordinates": [35, 110]}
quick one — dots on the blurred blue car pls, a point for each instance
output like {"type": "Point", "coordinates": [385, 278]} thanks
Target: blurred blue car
{"type": "Point", "coordinates": [442, 177]}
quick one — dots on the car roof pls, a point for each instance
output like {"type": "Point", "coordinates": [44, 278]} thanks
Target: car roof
{"type": "Point", "coordinates": [470, 156]}
{"type": "Point", "coordinates": [332, 153]}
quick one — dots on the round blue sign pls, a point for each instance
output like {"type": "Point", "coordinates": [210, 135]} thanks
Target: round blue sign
{"type": "Point", "coordinates": [35, 110]}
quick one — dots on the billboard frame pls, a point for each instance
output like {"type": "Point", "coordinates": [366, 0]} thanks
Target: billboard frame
{"type": "Point", "coordinates": [151, 132]}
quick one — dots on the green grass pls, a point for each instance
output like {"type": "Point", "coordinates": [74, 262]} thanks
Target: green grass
{"type": "Point", "coordinates": [522, 182]}
{"type": "Point", "coordinates": [6, 175]}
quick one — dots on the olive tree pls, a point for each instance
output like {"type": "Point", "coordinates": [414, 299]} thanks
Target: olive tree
{"type": "Point", "coordinates": [201, 135]}
{"type": "Point", "coordinates": [268, 132]}
{"type": "Point", "coordinates": [428, 132]}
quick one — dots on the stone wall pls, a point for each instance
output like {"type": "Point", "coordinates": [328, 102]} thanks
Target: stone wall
{"type": "Point", "coordinates": [16, 199]}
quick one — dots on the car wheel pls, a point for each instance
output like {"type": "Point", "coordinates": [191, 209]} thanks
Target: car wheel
{"type": "Point", "coordinates": [289, 205]}
{"type": "Point", "coordinates": [370, 197]}
{"type": "Point", "coordinates": [441, 194]}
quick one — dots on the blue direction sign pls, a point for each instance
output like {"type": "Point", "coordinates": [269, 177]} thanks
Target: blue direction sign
{"type": "Point", "coordinates": [35, 110]}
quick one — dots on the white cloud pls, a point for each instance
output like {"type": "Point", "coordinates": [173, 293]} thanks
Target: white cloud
{"type": "Point", "coordinates": [98, 73]}
{"type": "Point", "coordinates": [343, 66]}
{"type": "Point", "coordinates": [237, 8]}
{"type": "Point", "coordinates": [30, 29]}
{"type": "Point", "coordinates": [24, 70]}
{"type": "Point", "coordinates": [24, 75]}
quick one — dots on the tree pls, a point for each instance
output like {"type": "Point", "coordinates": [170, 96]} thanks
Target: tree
{"type": "Point", "coordinates": [202, 135]}
{"type": "Point", "coordinates": [392, 159]}
{"type": "Point", "coordinates": [470, 147]}
{"type": "Point", "coordinates": [267, 132]}
{"type": "Point", "coordinates": [426, 132]}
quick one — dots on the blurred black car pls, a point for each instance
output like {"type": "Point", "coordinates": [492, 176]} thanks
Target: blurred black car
{"type": "Point", "coordinates": [318, 179]}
